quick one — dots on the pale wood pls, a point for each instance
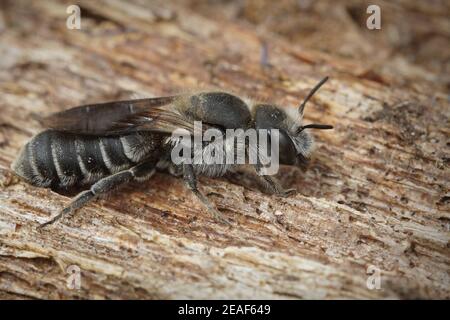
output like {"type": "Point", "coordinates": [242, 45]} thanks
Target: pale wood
{"type": "Point", "coordinates": [376, 191]}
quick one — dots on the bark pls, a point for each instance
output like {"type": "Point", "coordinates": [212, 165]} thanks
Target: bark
{"type": "Point", "coordinates": [375, 194]}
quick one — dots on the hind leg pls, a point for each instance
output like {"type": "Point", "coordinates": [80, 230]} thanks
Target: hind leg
{"type": "Point", "coordinates": [142, 171]}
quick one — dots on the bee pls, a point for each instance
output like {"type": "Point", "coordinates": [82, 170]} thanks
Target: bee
{"type": "Point", "coordinates": [102, 146]}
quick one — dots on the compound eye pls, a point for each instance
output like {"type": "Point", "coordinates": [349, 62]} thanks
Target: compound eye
{"type": "Point", "coordinates": [288, 152]}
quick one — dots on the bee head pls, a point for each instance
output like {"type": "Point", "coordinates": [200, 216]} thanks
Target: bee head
{"type": "Point", "coordinates": [295, 142]}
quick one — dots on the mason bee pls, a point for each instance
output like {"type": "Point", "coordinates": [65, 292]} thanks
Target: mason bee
{"type": "Point", "coordinates": [105, 145]}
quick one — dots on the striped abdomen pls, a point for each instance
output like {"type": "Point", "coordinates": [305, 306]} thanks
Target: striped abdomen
{"type": "Point", "coordinates": [60, 160]}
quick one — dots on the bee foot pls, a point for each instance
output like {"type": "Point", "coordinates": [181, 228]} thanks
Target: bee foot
{"type": "Point", "coordinates": [219, 217]}
{"type": "Point", "coordinates": [288, 192]}
{"type": "Point", "coordinates": [52, 220]}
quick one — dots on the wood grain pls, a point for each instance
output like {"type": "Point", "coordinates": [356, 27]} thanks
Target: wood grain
{"type": "Point", "coordinates": [376, 192]}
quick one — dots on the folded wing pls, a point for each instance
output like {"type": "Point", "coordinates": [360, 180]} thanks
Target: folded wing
{"type": "Point", "coordinates": [119, 117]}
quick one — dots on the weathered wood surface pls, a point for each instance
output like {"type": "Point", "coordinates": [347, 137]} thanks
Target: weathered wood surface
{"type": "Point", "coordinates": [376, 191]}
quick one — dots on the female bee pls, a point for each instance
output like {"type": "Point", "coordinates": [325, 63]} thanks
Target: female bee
{"type": "Point", "coordinates": [106, 145]}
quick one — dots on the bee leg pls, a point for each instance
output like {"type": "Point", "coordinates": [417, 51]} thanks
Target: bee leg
{"type": "Point", "coordinates": [141, 171]}
{"type": "Point", "coordinates": [273, 186]}
{"type": "Point", "coordinates": [191, 182]}
{"type": "Point", "coordinates": [80, 200]}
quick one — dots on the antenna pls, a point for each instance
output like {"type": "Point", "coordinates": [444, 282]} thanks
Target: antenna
{"type": "Point", "coordinates": [318, 126]}
{"type": "Point", "coordinates": [315, 126]}
{"type": "Point", "coordinates": [310, 94]}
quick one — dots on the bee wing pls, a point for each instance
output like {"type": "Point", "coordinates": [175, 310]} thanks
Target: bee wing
{"type": "Point", "coordinates": [156, 119]}
{"type": "Point", "coordinates": [154, 114]}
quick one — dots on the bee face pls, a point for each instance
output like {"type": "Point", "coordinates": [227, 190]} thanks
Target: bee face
{"type": "Point", "coordinates": [288, 149]}
{"type": "Point", "coordinates": [294, 145]}
{"type": "Point", "coordinates": [303, 142]}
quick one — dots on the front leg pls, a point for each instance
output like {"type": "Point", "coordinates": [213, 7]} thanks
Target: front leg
{"type": "Point", "coordinates": [272, 185]}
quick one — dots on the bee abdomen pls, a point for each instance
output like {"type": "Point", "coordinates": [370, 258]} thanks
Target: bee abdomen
{"type": "Point", "coordinates": [49, 159]}
{"type": "Point", "coordinates": [35, 161]}
{"type": "Point", "coordinates": [60, 160]}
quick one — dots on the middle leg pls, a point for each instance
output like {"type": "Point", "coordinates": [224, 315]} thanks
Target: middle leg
{"type": "Point", "coordinates": [191, 182]}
